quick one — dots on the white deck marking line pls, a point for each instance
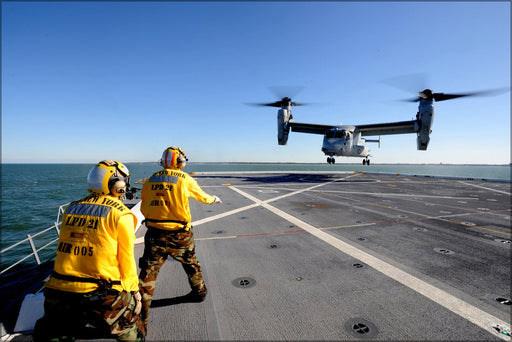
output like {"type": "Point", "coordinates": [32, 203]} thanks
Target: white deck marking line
{"type": "Point", "coordinates": [227, 213]}
{"type": "Point", "coordinates": [441, 218]}
{"type": "Point", "coordinates": [351, 225]}
{"type": "Point", "coordinates": [140, 240]}
{"type": "Point", "coordinates": [257, 203]}
{"type": "Point", "coordinates": [216, 238]}
{"type": "Point", "coordinates": [423, 216]}
{"type": "Point", "coordinates": [377, 194]}
{"type": "Point", "coordinates": [486, 188]}
{"type": "Point", "coordinates": [465, 310]}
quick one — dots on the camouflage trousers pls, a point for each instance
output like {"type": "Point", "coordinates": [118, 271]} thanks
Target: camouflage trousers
{"type": "Point", "coordinates": [67, 314]}
{"type": "Point", "coordinates": [158, 245]}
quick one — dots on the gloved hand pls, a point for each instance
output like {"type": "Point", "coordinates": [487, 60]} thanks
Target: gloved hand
{"type": "Point", "coordinates": [217, 199]}
{"type": "Point", "coordinates": [138, 302]}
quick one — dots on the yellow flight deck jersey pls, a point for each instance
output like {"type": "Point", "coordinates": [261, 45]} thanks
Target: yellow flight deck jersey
{"type": "Point", "coordinates": [96, 240]}
{"type": "Point", "coordinates": [165, 199]}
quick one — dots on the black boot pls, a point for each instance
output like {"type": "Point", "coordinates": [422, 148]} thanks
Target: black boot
{"type": "Point", "coordinates": [195, 297]}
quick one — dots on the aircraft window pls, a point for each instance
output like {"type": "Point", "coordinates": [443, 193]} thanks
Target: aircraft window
{"type": "Point", "coordinates": [329, 134]}
{"type": "Point", "coordinates": [340, 134]}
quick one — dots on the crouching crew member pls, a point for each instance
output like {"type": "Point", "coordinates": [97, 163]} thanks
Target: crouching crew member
{"type": "Point", "coordinates": [95, 279]}
{"type": "Point", "coordinates": [165, 206]}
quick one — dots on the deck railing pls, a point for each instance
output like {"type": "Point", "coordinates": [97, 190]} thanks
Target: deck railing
{"type": "Point", "coordinates": [30, 240]}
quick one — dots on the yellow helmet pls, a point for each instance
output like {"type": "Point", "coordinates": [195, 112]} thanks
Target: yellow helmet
{"type": "Point", "coordinates": [108, 177]}
{"type": "Point", "coordinates": [173, 158]}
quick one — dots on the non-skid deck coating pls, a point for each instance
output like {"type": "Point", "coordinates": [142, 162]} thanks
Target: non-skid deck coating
{"type": "Point", "coordinates": [343, 256]}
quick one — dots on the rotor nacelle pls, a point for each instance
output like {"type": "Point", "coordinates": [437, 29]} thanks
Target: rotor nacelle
{"type": "Point", "coordinates": [424, 123]}
{"type": "Point", "coordinates": [283, 129]}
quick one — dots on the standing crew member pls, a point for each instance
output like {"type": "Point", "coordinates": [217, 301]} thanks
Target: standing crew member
{"type": "Point", "coordinates": [165, 206]}
{"type": "Point", "coordinates": [95, 275]}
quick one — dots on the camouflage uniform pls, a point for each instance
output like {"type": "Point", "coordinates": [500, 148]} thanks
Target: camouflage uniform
{"type": "Point", "coordinates": [158, 245]}
{"type": "Point", "coordinates": [110, 312]}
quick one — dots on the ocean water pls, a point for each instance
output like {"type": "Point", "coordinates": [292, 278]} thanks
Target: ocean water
{"type": "Point", "coordinates": [32, 193]}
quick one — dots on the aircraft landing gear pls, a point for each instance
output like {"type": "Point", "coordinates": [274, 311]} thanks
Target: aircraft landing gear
{"type": "Point", "coordinates": [366, 161]}
{"type": "Point", "coordinates": [331, 160]}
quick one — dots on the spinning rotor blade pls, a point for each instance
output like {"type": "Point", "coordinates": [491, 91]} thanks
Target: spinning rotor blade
{"type": "Point", "coordinates": [285, 101]}
{"type": "Point", "coordinates": [408, 83]}
{"type": "Point", "coordinates": [428, 95]}
{"type": "Point", "coordinates": [443, 96]}
{"type": "Point", "coordinates": [420, 80]}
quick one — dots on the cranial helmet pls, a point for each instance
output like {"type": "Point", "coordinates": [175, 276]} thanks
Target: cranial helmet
{"type": "Point", "coordinates": [173, 158]}
{"type": "Point", "coordinates": [108, 177]}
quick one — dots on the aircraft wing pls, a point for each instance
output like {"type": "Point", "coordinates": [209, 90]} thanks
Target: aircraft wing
{"type": "Point", "coordinates": [308, 128]}
{"type": "Point", "coordinates": [401, 127]}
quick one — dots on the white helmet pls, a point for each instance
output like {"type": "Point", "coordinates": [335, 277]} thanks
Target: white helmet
{"type": "Point", "coordinates": [108, 177]}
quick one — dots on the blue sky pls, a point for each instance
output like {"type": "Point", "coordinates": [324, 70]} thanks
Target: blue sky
{"type": "Point", "coordinates": [86, 81]}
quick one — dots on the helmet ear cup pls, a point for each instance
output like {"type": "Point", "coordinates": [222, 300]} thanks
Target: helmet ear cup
{"type": "Point", "coordinates": [118, 188]}
{"type": "Point", "coordinates": [181, 160]}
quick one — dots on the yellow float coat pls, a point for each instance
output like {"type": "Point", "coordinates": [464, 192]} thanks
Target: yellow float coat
{"type": "Point", "coordinates": [96, 240]}
{"type": "Point", "coordinates": [165, 199]}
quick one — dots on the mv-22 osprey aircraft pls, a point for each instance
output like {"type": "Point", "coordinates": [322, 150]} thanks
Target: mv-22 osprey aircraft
{"type": "Point", "coordinates": [346, 140]}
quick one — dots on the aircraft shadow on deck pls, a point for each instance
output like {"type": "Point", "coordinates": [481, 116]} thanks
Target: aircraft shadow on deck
{"type": "Point", "coordinates": [288, 178]}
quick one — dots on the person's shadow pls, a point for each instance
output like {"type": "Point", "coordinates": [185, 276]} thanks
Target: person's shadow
{"type": "Point", "coordinates": [188, 298]}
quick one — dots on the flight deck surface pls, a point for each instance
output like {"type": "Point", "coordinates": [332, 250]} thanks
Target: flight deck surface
{"type": "Point", "coordinates": [342, 256]}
